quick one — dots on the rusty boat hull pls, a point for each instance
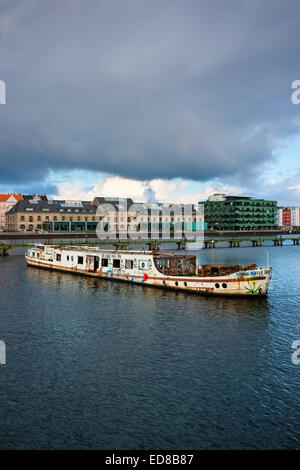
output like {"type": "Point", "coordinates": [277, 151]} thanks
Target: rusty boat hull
{"type": "Point", "coordinates": [168, 271]}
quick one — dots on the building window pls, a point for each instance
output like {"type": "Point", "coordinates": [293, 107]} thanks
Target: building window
{"type": "Point", "coordinates": [55, 218]}
{"type": "Point", "coordinates": [22, 217]}
{"type": "Point", "coordinates": [39, 217]}
{"type": "Point", "coordinates": [63, 218]}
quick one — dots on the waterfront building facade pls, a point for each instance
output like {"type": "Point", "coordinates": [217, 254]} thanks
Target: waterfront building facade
{"type": "Point", "coordinates": [148, 220]}
{"type": "Point", "coordinates": [7, 201]}
{"type": "Point", "coordinates": [289, 217]}
{"type": "Point", "coordinates": [145, 219]}
{"type": "Point", "coordinates": [110, 216]}
{"type": "Point", "coordinates": [40, 215]}
{"type": "Point", "coordinates": [230, 213]}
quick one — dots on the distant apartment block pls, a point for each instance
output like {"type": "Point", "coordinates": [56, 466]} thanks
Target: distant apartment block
{"type": "Point", "coordinates": [227, 212]}
{"type": "Point", "coordinates": [289, 217]}
{"type": "Point", "coordinates": [7, 201]}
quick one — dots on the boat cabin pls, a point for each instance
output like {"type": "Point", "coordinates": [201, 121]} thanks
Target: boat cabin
{"type": "Point", "coordinates": [222, 270]}
{"type": "Point", "coordinates": [176, 265]}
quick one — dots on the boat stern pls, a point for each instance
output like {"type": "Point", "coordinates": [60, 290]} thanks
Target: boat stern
{"type": "Point", "coordinates": [258, 282]}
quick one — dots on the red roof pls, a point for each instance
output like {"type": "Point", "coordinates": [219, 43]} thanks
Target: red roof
{"type": "Point", "coordinates": [5, 197]}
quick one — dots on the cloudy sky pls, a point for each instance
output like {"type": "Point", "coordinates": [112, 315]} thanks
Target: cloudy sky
{"type": "Point", "coordinates": [156, 99]}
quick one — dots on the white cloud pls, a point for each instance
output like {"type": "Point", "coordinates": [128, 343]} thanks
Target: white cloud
{"type": "Point", "coordinates": [295, 188]}
{"type": "Point", "coordinates": [158, 190]}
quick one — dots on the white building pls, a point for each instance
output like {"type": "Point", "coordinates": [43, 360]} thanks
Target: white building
{"type": "Point", "coordinates": [289, 216]}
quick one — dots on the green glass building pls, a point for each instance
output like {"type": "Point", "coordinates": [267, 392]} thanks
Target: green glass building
{"type": "Point", "coordinates": [223, 212]}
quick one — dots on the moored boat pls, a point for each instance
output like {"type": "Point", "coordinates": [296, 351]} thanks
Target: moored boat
{"type": "Point", "coordinates": [170, 271]}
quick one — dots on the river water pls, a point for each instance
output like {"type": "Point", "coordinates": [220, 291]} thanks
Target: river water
{"type": "Point", "coordinates": [96, 364]}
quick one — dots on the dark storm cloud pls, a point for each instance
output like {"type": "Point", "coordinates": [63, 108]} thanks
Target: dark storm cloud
{"type": "Point", "coordinates": [145, 89]}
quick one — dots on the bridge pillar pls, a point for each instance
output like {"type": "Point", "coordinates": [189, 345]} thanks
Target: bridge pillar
{"type": "Point", "coordinates": [4, 250]}
{"type": "Point", "coordinates": [121, 246]}
{"type": "Point", "coordinates": [153, 246]}
{"type": "Point", "coordinates": [181, 245]}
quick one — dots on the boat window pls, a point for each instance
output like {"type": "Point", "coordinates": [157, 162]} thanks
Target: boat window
{"type": "Point", "coordinates": [104, 262]}
{"type": "Point", "coordinates": [129, 264]}
{"type": "Point", "coordinates": [80, 259]}
{"type": "Point", "coordinates": [68, 257]}
{"type": "Point", "coordinates": [58, 257]}
{"type": "Point", "coordinates": [116, 263]}
{"type": "Point", "coordinates": [143, 265]}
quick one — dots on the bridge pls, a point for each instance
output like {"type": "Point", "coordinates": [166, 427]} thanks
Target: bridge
{"type": "Point", "coordinates": [13, 240]}
{"type": "Point", "coordinates": [153, 245]}
{"type": "Point", "coordinates": [234, 242]}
